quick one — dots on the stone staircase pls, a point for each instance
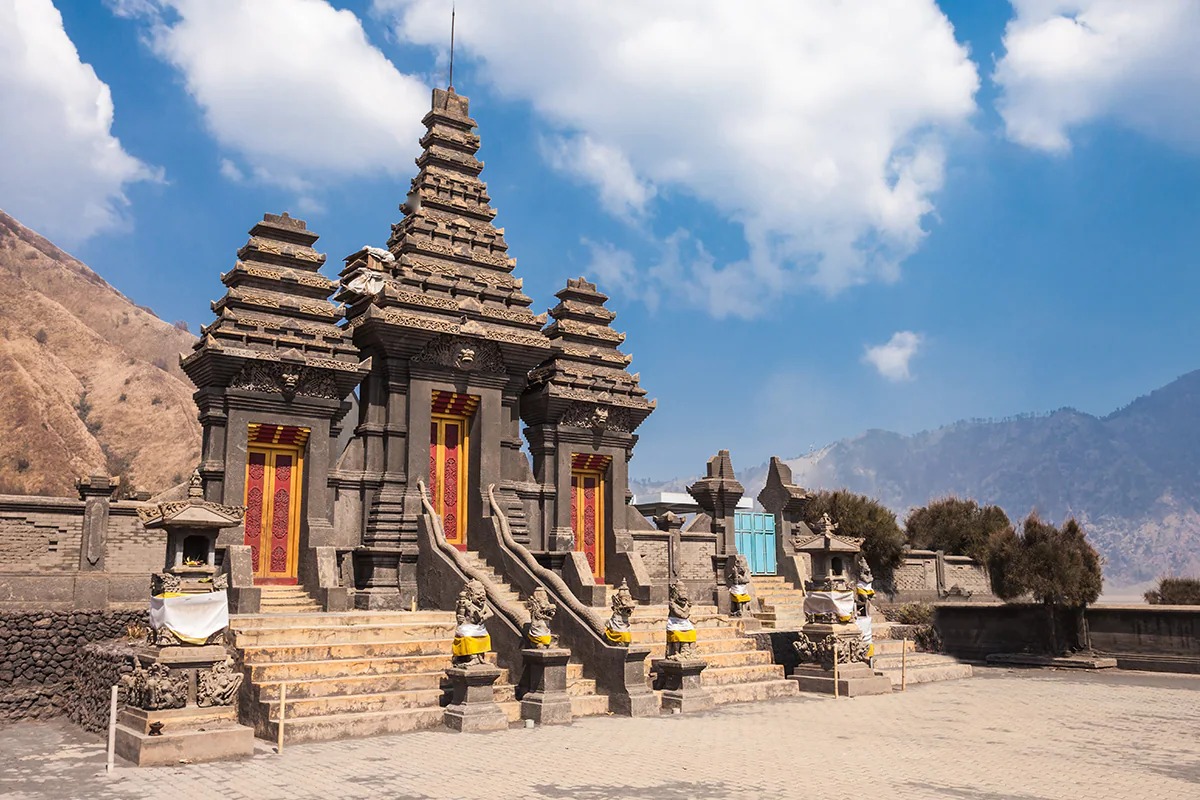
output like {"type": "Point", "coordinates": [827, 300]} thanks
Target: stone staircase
{"type": "Point", "coordinates": [584, 700]}
{"type": "Point", "coordinates": [348, 674]}
{"type": "Point", "coordinates": [287, 600]}
{"type": "Point", "coordinates": [920, 667]}
{"type": "Point", "coordinates": [737, 672]}
{"type": "Point", "coordinates": [781, 607]}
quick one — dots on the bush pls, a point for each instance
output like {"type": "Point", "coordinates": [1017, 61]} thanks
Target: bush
{"type": "Point", "coordinates": [40, 337]}
{"type": "Point", "coordinates": [911, 614]}
{"type": "Point", "coordinates": [860, 516]}
{"type": "Point", "coordinates": [1175, 592]}
{"type": "Point", "coordinates": [958, 527]}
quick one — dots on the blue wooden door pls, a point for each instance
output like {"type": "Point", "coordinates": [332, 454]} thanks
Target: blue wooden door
{"type": "Point", "coordinates": [754, 534]}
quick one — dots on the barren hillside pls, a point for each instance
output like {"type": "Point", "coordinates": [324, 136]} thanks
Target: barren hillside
{"type": "Point", "coordinates": [89, 382]}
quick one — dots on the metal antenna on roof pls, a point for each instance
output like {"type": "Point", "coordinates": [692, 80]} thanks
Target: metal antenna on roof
{"type": "Point", "coordinates": [452, 47]}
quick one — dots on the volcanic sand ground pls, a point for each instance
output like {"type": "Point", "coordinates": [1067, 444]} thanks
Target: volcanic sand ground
{"type": "Point", "coordinates": [1003, 735]}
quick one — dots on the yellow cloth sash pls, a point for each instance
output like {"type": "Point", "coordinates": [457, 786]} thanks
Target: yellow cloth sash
{"type": "Point", "coordinates": [542, 640]}
{"type": "Point", "coordinates": [618, 637]}
{"type": "Point", "coordinates": [740, 598]}
{"type": "Point", "coordinates": [681, 636]}
{"type": "Point", "coordinates": [470, 645]}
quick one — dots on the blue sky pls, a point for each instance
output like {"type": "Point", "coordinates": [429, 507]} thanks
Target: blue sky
{"type": "Point", "coordinates": [1010, 203]}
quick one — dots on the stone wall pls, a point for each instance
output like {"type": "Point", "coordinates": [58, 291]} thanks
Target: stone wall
{"type": "Point", "coordinates": [1161, 638]}
{"type": "Point", "coordinates": [695, 557]}
{"type": "Point", "coordinates": [98, 667]}
{"type": "Point", "coordinates": [654, 550]}
{"type": "Point", "coordinates": [926, 575]}
{"type": "Point", "coordinates": [38, 652]}
{"type": "Point", "coordinates": [40, 534]}
{"type": "Point", "coordinates": [40, 560]}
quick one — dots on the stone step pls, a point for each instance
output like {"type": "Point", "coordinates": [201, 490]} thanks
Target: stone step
{"type": "Point", "coordinates": [735, 659]}
{"type": "Point", "coordinates": [581, 687]}
{"type": "Point", "coordinates": [913, 660]}
{"type": "Point", "coordinates": [337, 634]}
{"type": "Point", "coordinates": [893, 646]}
{"type": "Point", "coordinates": [286, 604]}
{"type": "Point", "coordinates": [707, 647]}
{"type": "Point", "coordinates": [929, 673]}
{"type": "Point", "coordinates": [350, 726]}
{"type": "Point", "coordinates": [588, 705]}
{"type": "Point", "coordinates": [274, 672]}
{"type": "Point", "coordinates": [350, 619]}
{"type": "Point", "coordinates": [369, 683]}
{"type": "Point", "coordinates": [410, 652]}
{"type": "Point", "coordinates": [754, 692]}
{"type": "Point", "coordinates": [719, 676]}
{"type": "Point", "coordinates": [703, 632]}
{"type": "Point", "coordinates": [300, 708]}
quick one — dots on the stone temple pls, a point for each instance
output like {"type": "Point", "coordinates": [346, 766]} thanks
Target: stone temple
{"type": "Point", "coordinates": [407, 460]}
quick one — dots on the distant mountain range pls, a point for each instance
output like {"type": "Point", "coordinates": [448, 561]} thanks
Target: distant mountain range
{"type": "Point", "coordinates": [89, 382]}
{"type": "Point", "coordinates": [1131, 478]}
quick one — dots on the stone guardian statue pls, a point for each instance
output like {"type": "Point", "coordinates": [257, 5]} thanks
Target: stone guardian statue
{"type": "Point", "coordinates": [471, 639]}
{"type": "Point", "coordinates": [681, 632]}
{"type": "Point", "coordinates": [617, 630]}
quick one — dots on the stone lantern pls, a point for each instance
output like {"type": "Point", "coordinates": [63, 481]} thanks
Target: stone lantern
{"type": "Point", "coordinates": [830, 632]}
{"type": "Point", "coordinates": [180, 700]}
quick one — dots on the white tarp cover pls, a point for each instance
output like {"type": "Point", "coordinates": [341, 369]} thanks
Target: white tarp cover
{"type": "Point", "coordinates": [191, 617]}
{"type": "Point", "coordinates": [864, 625]}
{"type": "Point", "coordinates": [840, 604]}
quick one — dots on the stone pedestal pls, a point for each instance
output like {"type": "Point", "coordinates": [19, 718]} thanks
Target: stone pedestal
{"type": "Point", "coordinates": [547, 701]}
{"type": "Point", "coordinates": [854, 676]}
{"type": "Point", "coordinates": [188, 734]}
{"type": "Point", "coordinates": [680, 682]}
{"type": "Point", "coordinates": [158, 737]}
{"type": "Point", "coordinates": [853, 680]}
{"type": "Point", "coordinates": [473, 705]}
{"type": "Point", "coordinates": [637, 700]}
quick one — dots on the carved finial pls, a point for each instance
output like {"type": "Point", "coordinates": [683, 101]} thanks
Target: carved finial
{"type": "Point", "coordinates": [450, 84]}
{"type": "Point", "coordinates": [196, 484]}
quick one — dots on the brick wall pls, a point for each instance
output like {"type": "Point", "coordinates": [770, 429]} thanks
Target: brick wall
{"type": "Point", "coordinates": [40, 534]}
{"type": "Point", "coordinates": [132, 548]}
{"type": "Point", "coordinates": [695, 558]}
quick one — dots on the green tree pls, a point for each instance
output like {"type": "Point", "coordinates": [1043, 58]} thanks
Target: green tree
{"type": "Point", "coordinates": [956, 526]}
{"type": "Point", "coordinates": [1057, 566]}
{"type": "Point", "coordinates": [861, 516]}
{"type": "Point", "coordinates": [1175, 592]}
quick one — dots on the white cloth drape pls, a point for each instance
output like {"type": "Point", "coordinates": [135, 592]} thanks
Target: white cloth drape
{"type": "Point", "coordinates": [191, 617]}
{"type": "Point", "coordinates": [840, 604]}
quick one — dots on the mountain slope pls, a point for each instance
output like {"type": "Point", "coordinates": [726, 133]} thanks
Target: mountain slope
{"type": "Point", "coordinates": [1132, 478]}
{"type": "Point", "coordinates": [89, 382]}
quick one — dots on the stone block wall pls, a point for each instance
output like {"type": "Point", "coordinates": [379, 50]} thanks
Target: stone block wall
{"type": "Point", "coordinates": [40, 534]}
{"type": "Point", "coordinates": [98, 667]}
{"type": "Point", "coordinates": [132, 548]}
{"type": "Point", "coordinates": [916, 574]}
{"type": "Point", "coordinates": [38, 652]}
{"type": "Point", "coordinates": [925, 575]}
{"type": "Point", "coordinates": [654, 550]}
{"type": "Point", "coordinates": [695, 557]}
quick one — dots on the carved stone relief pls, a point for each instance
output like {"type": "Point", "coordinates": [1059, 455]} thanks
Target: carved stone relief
{"type": "Point", "coordinates": [458, 352]}
{"type": "Point", "coordinates": [286, 379]}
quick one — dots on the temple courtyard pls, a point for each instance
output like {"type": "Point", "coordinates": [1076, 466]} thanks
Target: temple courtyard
{"type": "Point", "coordinates": [1003, 735]}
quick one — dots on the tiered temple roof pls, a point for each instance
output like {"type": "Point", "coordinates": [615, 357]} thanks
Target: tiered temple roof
{"type": "Point", "coordinates": [586, 370]}
{"type": "Point", "coordinates": [447, 269]}
{"type": "Point", "coordinates": [276, 307]}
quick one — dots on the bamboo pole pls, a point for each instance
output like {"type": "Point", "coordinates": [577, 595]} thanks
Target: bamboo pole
{"type": "Point", "coordinates": [282, 713]}
{"type": "Point", "coordinates": [112, 730]}
{"type": "Point", "coordinates": [904, 666]}
{"type": "Point", "coordinates": [836, 689]}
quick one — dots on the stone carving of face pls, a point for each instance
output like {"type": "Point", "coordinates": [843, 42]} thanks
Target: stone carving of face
{"type": "Point", "coordinates": [466, 357]}
{"type": "Point", "coordinates": [290, 379]}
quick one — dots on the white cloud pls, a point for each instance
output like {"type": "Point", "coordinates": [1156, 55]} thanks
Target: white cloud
{"type": "Point", "coordinates": [815, 126]}
{"type": "Point", "coordinates": [1071, 62]}
{"type": "Point", "coordinates": [891, 359]}
{"type": "Point", "coordinates": [622, 192]}
{"type": "Point", "coordinates": [293, 88]}
{"type": "Point", "coordinates": [64, 173]}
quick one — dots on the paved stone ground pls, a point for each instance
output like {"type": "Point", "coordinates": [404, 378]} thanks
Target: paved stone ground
{"type": "Point", "coordinates": [1003, 735]}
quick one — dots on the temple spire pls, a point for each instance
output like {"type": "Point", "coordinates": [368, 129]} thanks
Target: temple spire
{"type": "Point", "coordinates": [450, 85]}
